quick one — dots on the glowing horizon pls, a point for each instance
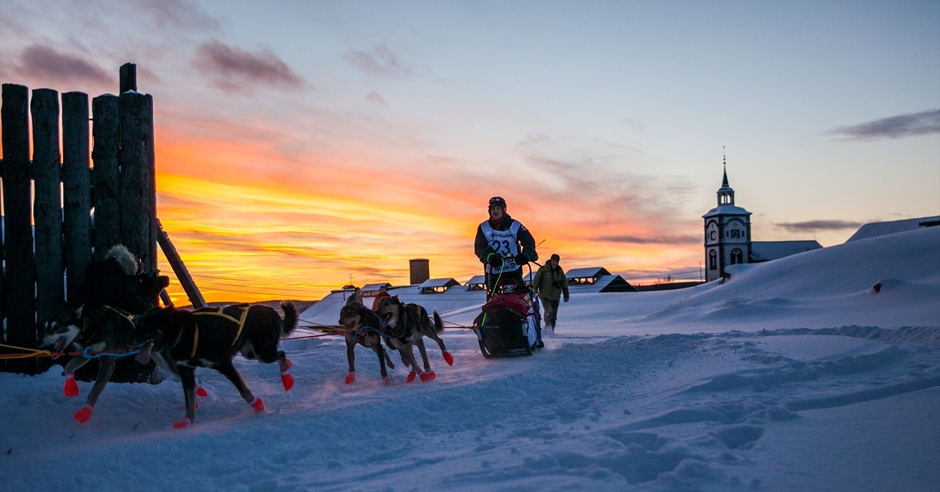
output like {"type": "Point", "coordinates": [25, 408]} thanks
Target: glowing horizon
{"type": "Point", "coordinates": [303, 146]}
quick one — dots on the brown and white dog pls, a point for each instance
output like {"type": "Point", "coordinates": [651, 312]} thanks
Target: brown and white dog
{"type": "Point", "coordinates": [362, 327]}
{"type": "Point", "coordinates": [211, 338]}
{"type": "Point", "coordinates": [410, 323]}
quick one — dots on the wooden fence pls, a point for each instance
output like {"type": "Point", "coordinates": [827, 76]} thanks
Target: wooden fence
{"type": "Point", "coordinates": [58, 212]}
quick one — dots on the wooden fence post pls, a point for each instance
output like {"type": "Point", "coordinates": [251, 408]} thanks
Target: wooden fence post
{"type": "Point", "coordinates": [106, 196]}
{"type": "Point", "coordinates": [136, 182]}
{"type": "Point", "coordinates": [47, 203]}
{"type": "Point", "coordinates": [76, 186]}
{"type": "Point", "coordinates": [128, 77]}
{"type": "Point", "coordinates": [19, 284]}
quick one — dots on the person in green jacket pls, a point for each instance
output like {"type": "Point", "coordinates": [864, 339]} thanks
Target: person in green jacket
{"type": "Point", "coordinates": [550, 283]}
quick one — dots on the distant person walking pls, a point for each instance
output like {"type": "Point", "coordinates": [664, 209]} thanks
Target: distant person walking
{"type": "Point", "coordinates": [550, 283]}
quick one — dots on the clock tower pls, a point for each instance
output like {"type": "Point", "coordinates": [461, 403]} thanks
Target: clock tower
{"type": "Point", "coordinates": [727, 232]}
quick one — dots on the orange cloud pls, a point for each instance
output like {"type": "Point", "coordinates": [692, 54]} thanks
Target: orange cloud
{"type": "Point", "coordinates": [253, 221]}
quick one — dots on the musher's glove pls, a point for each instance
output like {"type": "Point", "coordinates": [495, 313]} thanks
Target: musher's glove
{"type": "Point", "coordinates": [521, 259]}
{"type": "Point", "coordinates": [494, 260]}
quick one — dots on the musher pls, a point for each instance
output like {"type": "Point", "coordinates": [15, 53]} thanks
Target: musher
{"type": "Point", "coordinates": [503, 245]}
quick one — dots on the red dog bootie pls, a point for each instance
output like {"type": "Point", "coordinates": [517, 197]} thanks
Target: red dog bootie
{"type": "Point", "coordinates": [427, 376]}
{"type": "Point", "coordinates": [71, 387]}
{"type": "Point", "coordinates": [182, 424]}
{"type": "Point", "coordinates": [411, 376]}
{"type": "Point", "coordinates": [386, 380]}
{"type": "Point", "coordinates": [258, 405]}
{"type": "Point", "coordinates": [200, 391]}
{"type": "Point", "coordinates": [286, 379]}
{"type": "Point", "coordinates": [449, 358]}
{"type": "Point", "coordinates": [351, 378]}
{"type": "Point", "coordinates": [84, 414]}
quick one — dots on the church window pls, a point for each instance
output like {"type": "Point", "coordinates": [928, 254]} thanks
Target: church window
{"type": "Point", "coordinates": [734, 233]}
{"type": "Point", "coordinates": [714, 235]}
{"type": "Point", "coordinates": [736, 256]}
{"type": "Point", "coordinates": [712, 260]}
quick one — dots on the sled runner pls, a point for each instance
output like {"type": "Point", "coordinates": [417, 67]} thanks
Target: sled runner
{"type": "Point", "coordinates": [508, 326]}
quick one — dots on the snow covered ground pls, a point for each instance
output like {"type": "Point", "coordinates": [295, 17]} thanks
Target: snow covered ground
{"type": "Point", "coordinates": [793, 375]}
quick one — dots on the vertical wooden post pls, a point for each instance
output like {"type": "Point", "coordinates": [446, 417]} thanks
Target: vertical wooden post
{"type": "Point", "coordinates": [76, 185]}
{"type": "Point", "coordinates": [150, 174]}
{"type": "Point", "coordinates": [47, 203]}
{"type": "Point", "coordinates": [19, 281]}
{"type": "Point", "coordinates": [128, 75]}
{"type": "Point", "coordinates": [136, 183]}
{"type": "Point", "coordinates": [106, 198]}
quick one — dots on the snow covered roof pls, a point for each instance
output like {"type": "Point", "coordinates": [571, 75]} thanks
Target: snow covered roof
{"type": "Point", "coordinates": [604, 283]}
{"type": "Point", "coordinates": [438, 282]}
{"type": "Point", "coordinates": [374, 288]}
{"type": "Point", "coordinates": [477, 280]}
{"type": "Point", "coordinates": [726, 210]}
{"type": "Point", "coordinates": [437, 285]}
{"type": "Point", "coordinates": [881, 228]}
{"type": "Point", "coordinates": [772, 250]}
{"type": "Point", "coordinates": [589, 272]}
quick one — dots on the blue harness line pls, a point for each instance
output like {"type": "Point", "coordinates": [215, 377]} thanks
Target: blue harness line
{"type": "Point", "coordinates": [87, 353]}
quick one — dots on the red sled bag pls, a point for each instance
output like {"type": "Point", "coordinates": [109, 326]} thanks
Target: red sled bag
{"type": "Point", "coordinates": [507, 326]}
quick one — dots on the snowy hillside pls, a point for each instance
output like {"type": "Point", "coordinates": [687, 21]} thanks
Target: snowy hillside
{"type": "Point", "coordinates": [792, 375]}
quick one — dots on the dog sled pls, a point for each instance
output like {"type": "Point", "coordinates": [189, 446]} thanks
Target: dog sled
{"type": "Point", "coordinates": [509, 325]}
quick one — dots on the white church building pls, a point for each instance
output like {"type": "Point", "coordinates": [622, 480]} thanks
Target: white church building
{"type": "Point", "coordinates": [728, 237]}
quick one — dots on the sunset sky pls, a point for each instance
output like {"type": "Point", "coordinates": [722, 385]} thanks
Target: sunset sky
{"type": "Point", "coordinates": [304, 145]}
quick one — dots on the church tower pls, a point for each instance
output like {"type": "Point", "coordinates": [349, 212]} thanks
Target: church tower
{"type": "Point", "coordinates": [727, 232]}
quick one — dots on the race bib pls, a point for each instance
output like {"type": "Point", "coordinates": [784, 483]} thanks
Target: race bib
{"type": "Point", "coordinates": [504, 243]}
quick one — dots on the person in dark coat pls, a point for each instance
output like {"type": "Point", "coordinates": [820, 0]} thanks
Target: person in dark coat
{"type": "Point", "coordinates": [503, 245]}
{"type": "Point", "coordinates": [550, 283]}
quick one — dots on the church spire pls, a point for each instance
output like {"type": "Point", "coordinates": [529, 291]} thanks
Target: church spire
{"type": "Point", "coordinates": [724, 165]}
{"type": "Point", "coordinates": [725, 193]}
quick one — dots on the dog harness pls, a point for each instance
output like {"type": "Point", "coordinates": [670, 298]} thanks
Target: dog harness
{"type": "Point", "coordinates": [128, 317]}
{"type": "Point", "coordinates": [240, 322]}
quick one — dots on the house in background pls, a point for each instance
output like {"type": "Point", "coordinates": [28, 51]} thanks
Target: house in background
{"type": "Point", "coordinates": [596, 279]}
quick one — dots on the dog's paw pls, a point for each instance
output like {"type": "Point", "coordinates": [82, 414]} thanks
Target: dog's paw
{"type": "Point", "coordinates": [351, 378]}
{"type": "Point", "coordinates": [200, 391]}
{"type": "Point", "coordinates": [386, 380]}
{"type": "Point", "coordinates": [258, 405]}
{"type": "Point", "coordinates": [288, 381]}
{"type": "Point", "coordinates": [448, 358]}
{"type": "Point", "coordinates": [428, 376]}
{"type": "Point", "coordinates": [182, 424]}
{"type": "Point", "coordinates": [84, 414]}
{"type": "Point", "coordinates": [71, 387]}
{"type": "Point", "coordinates": [411, 376]}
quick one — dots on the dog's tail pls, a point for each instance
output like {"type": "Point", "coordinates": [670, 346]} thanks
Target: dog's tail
{"type": "Point", "coordinates": [438, 324]}
{"type": "Point", "coordinates": [290, 318]}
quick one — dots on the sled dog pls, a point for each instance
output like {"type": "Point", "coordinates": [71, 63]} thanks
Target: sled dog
{"type": "Point", "coordinates": [412, 323]}
{"type": "Point", "coordinates": [211, 338]}
{"type": "Point", "coordinates": [362, 327]}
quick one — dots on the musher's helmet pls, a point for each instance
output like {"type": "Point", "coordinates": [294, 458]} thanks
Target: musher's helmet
{"type": "Point", "coordinates": [497, 201]}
